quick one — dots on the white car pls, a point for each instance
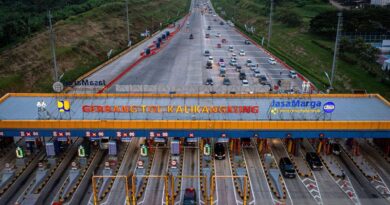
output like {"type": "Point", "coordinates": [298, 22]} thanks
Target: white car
{"type": "Point", "coordinates": [231, 49]}
{"type": "Point", "coordinates": [218, 35]}
{"type": "Point", "coordinates": [233, 62]}
{"type": "Point", "coordinates": [233, 55]}
{"type": "Point", "coordinates": [214, 15]}
{"type": "Point", "coordinates": [211, 59]}
{"type": "Point", "coordinates": [257, 73]}
{"type": "Point", "coordinates": [242, 53]}
{"type": "Point", "coordinates": [293, 74]}
{"type": "Point", "coordinates": [245, 82]}
{"type": "Point", "coordinates": [272, 61]}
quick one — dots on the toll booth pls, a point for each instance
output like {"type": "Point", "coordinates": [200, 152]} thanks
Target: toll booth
{"type": "Point", "coordinates": [112, 148]}
{"type": "Point", "coordinates": [160, 140]}
{"type": "Point", "coordinates": [175, 147]}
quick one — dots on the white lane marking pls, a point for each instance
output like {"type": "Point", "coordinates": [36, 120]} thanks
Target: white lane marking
{"type": "Point", "coordinates": [231, 174]}
{"type": "Point", "coordinates": [147, 183]}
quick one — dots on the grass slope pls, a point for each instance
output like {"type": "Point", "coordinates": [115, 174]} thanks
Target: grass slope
{"type": "Point", "coordinates": [297, 47]}
{"type": "Point", "coordinates": [82, 43]}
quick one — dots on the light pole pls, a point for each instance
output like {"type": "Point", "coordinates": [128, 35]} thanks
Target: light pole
{"type": "Point", "coordinates": [336, 47]}
{"type": "Point", "coordinates": [270, 23]}
{"type": "Point", "coordinates": [128, 23]}
{"type": "Point", "coordinates": [330, 82]}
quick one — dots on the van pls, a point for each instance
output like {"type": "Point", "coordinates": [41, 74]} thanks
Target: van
{"type": "Point", "coordinates": [286, 167]}
{"type": "Point", "coordinates": [219, 151]}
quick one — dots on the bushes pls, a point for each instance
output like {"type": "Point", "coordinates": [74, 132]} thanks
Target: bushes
{"type": "Point", "coordinates": [289, 17]}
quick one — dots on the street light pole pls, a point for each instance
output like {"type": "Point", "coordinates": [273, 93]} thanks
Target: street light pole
{"type": "Point", "coordinates": [270, 23]}
{"type": "Point", "coordinates": [128, 23]}
{"type": "Point", "coordinates": [336, 47]}
{"type": "Point", "coordinates": [53, 48]}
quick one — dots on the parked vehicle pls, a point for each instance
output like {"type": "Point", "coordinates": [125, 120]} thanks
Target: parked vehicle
{"type": "Point", "coordinates": [191, 36]}
{"type": "Point", "coordinates": [238, 67]}
{"type": "Point", "coordinates": [247, 42]}
{"type": "Point", "coordinates": [286, 167]}
{"type": "Point", "coordinates": [313, 160]}
{"type": "Point", "coordinates": [209, 28]}
{"type": "Point", "coordinates": [207, 35]}
{"type": "Point", "coordinates": [233, 62]}
{"type": "Point", "coordinates": [245, 82]}
{"type": "Point", "coordinates": [231, 48]}
{"type": "Point", "coordinates": [248, 62]}
{"type": "Point", "coordinates": [257, 73]}
{"type": "Point", "coordinates": [206, 53]}
{"type": "Point", "coordinates": [219, 151]}
{"type": "Point", "coordinates": [222, 72]}
{"type": "Point", "coordinates": [242, 53]}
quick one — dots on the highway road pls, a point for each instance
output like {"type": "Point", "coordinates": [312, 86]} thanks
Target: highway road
{"type": "Point", "coordinates": [117, 194]}
{"type": "Point", "coordinates": [155, 186]}
{"type": "Point", "coordinates": [225, 191]}
{"type": "Point", "coordinates": [190, 168]}
{"type": "Point", "coordinates": [330, 191]}
{"type": "Point", "coordinates": [259, 186]}
{"type": "Point", "coordinates": [297, 191]}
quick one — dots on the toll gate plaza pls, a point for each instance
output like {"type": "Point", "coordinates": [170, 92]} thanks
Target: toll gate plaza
{"type": "Point", "coordinates": [125, 148]}
{"type": "Point", "coordinates": [203, 115]}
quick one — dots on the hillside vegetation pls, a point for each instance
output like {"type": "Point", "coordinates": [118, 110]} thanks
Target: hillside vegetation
{"type": "Point", "coordinates": [305, 51]}
{"type": "Point", "coordinates": [82, 41]}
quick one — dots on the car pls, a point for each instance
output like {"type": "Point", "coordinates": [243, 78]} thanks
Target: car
{"type": "Point", "coordinates": [209, 81]}
{"type": "Point", "coordinates": [226, 81]}
{"type": "Point", "coordinates": [272, 61]}
{"type": "Point", "coordinates": [257, 73]}
{"type": "Point", "coordinates": [286, 167]}
{"type": "Point", "coordinates": [336, 149]}
{"type": "Point", "coordinates": [314, 161]}
{"type": "Point", "coordinates": [191, 36]}
{"type": "Point", "coordinates": [238, 67]}
{"type": "Point", "coordinates": [214, 15]}
{"type": "Point", "coordinates": [292, 74]}
{"type": "Point", "coordinates": [211, 59]}
{"type": "Point", "coordinates": [231, 49]}
{"type": "Point", "coordinates": [218, 35]}
{"type": "Point", "coordinates": [242, 76]}
{"type": "Point", "coordinates": [219, 151]}
{"type": "Point", "coordinates": [246, 141]}
{"type": "Point", "coordinates": [234, 55]}
{"type": "Point", "coordinates": [222, 72]}
{"type": "Point", "coordinates": [245, 82]}
{"type": "Point", "coordinates": [207, 35]}
{"type": "Point", "coordinates": [247, 42]}
{"type": "Point", "coordinates": [189, 197]}
{"type": "Point", "coordinates": [248, 61]}
{"type": "Point", "coordinates": [224, 40]}
{"type": "Point", "coordinates": [222, 64]}
{"type": "Point", "coordinates": [221, 23]}
{"type": "Point", "coordinates": [206, 53]}
{"type": "Point", "coordinates": [209, 64]}
{"type": "Point", "coordinates": [263, 80]}
{"type": "Point", "coordinates": [233, 62]}
{"type": "Point", "coordinates": [252, 66]}
{"type": "Point", "coordinates": [209, 28]}
{"type": "Point", "coordinates": [242, 53]}
{"type": "Point", "coordinates": [215, 19]}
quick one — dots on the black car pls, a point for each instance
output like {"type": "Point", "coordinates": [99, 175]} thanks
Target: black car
{"type": "Point", "coordinates": [221, 23]}
{"type": "Point", "coordinates": [219, 151]}
{"type": "Point", "coordinates": [191, 36]}
{"type": "Point", "coordinates": [189, 196]}
{"type": "Point", "coordinates": [238, 67]}
{"type": "Point", "coordinates": [247, 42]}
{"type": "Point", "coordinates": [226, 81]}
{"type": "Point", "coordinates": [209, 81]}
{"type": "Point", "coordinates": [314, 161]}
{"type": "Point", "coordinates": [209, 28]}
{"type": "Point", "coordinates": [286, 167]}
{"type": "Point", "coordinates": [209, 65]}
{"type": "Point", "coordinates": [263, 80]}
{"type": "Point", "coordinates": [242, 76]}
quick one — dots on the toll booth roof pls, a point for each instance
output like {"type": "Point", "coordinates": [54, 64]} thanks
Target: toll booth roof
{"type": "Point", "coordinates": [247, 107]}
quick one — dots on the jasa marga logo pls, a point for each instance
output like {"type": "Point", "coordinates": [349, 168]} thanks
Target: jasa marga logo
{"type": "Point", "coordinates": [300, 106]}
{"type": "Point", "coordinates": [63, 105]}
